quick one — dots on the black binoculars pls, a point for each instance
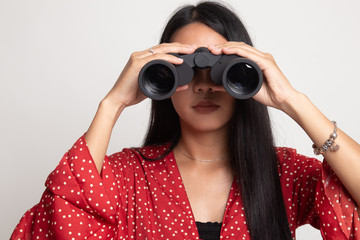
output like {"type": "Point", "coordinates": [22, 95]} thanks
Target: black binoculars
{"type": "Point", "coordinates": [241, 77]}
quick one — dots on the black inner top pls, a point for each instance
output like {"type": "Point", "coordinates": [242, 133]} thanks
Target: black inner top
{"type": "Point", "coordinates": [209, 230]}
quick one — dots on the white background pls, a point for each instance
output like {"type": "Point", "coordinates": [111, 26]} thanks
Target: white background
{"type": "Point", "coordinates": [58, 59]}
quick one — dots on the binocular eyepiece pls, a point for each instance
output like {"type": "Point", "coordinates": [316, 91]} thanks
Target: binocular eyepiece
{"type": "Point", "coordinates": [241, 77]}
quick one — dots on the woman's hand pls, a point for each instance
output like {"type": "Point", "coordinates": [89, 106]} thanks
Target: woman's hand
{"type": "Point", "coordinates": [126, 91]}
{"type": "Point", "coordinates": [276, 90]}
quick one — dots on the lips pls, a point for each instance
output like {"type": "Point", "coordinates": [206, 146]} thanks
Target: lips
{"type": "Point", "coordinates": [205, 107]}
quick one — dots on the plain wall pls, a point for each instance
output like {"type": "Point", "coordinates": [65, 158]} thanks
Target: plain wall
{"type": "Point", "coordinates": [59, 58]}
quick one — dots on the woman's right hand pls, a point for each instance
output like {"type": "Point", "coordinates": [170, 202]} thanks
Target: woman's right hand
{"type": "Point", "coordinates": [126, 91]}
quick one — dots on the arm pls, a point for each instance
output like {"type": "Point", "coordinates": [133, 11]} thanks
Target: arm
{"type": "Point", "coordinates": [125, 93]}
{"type": "Point", "coordinates": [99, 132]}
{"type": "Point", "coordinates": [278, 93]}
{"type": "Point", "coordinates": [346, 161]}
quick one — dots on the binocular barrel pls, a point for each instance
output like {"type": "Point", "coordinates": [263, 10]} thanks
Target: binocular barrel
{"type": "Point", "coordinates": [241, 77]}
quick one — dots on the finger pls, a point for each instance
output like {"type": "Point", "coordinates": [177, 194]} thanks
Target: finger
{"type": "Point", "coordinates": [245, 46]}
{"type": "Point", "coordinates": [217, 50]}
{"type": "Point", "coordinates": [166, 57]}
{"type": "Point", "coordinates": [261, 59]}
{"type": "Point", "coordinates": [172, 48]}
{"type": "Point", "coordinates": [162, 52]}
{"type": "Point", "coordinates": [243, 51]}
{"type": "Point", "coordinates": [222, 49]}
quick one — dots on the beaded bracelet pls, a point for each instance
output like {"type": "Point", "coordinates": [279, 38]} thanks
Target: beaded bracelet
{"type": "Point", "coordinates": [329, 144]}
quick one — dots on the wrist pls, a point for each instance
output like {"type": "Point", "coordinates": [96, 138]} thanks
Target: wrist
{"type": "Point", "coordinates": [111, 109]}
{"type": "Point", "coordinates": [296, 105]}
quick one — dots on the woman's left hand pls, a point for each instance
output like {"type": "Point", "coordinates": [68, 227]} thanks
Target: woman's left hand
{"type": "Point", "coordinates": [276, 90]}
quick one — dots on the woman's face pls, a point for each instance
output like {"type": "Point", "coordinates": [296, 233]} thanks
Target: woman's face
{"type": "Point", "coordinates": [203, 106]}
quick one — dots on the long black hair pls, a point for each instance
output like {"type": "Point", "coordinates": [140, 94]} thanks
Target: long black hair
{"type": "Point", "coordinates": [252, 151]}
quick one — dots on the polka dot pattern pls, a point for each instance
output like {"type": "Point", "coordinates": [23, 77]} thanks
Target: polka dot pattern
{"type": "Point", "coordinates": [314, 195]}
{"type": "Point", "coordinates": [137, 199]}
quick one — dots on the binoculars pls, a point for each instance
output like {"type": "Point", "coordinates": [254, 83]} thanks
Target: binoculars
{"type": "Point", "coordinates": [241, 77]}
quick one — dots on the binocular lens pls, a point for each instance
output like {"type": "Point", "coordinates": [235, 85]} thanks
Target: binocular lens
{"type": "Point", "coordinates": [242, 79]}
{"type": "Point", "coordinates": [158, 79]}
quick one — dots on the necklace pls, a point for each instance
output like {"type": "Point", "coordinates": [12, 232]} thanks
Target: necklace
{"type": "Point", "coordinates": [200, 160]}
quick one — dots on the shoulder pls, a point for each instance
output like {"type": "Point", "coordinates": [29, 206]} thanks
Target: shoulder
{"type": "Point", "coordinates": [153, 152]}
{"type": "Point", "coordinates": [153, 162]}
{"type": "Point", "coordinates": [142, 155]}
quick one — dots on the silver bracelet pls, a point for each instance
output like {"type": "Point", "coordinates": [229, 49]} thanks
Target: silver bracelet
{"type": "Point", "coordinates": [329, 144]}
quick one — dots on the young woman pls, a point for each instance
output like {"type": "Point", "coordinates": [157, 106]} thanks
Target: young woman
{"type": "Point", "coordinates": [208, 168]}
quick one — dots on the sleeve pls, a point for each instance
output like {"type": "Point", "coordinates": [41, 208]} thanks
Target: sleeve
{"type": "Point", "coordinates": [339, 213]}
{"type": "Point", "coordinates": [314, 195]}
{"type": "Point", "coordinates": [78, 202]}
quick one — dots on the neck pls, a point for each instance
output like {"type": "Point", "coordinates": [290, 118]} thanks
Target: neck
{"type": "Point", "coordinates": [206, 147]}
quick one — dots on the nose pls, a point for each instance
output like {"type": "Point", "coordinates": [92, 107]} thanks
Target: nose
{"type": "Point", "coordinates": [202, 82]}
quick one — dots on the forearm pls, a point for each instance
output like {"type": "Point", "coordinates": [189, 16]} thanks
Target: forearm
{"type": "Point", "coordinates": [126, 92]}
{"type": "Point", "coordinates": [346, 161]}
{"type": "Point", "coordinates": [99, 133]}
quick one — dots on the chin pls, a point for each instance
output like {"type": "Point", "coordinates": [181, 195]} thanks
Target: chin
{"type": "Point", "coordinates": [206, 126]}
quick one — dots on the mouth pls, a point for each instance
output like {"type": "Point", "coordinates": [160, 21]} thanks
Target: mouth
{"type": "Point", "coordinates": [205, 107]}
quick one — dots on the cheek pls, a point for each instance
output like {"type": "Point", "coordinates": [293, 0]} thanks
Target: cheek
{"type": "Point", "coordinates": [228, 103]}
{"type": "Point", "coordinates": [179, 101]}
{"type": "Point", "coordinates": [230, 109]}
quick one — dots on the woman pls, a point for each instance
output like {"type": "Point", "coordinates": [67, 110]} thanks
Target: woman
{"type": "Point", "coordinates": [208, 168]}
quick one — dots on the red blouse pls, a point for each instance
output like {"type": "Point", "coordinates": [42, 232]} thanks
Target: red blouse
{"type": "Point", "coordinates": [138, 199]}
